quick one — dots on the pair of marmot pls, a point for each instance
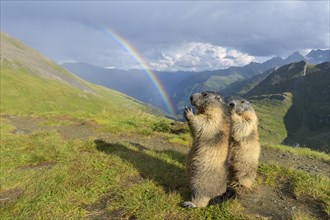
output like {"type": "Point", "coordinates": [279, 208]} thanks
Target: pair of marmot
{"type": "Point", "coordinates": [225, 146]}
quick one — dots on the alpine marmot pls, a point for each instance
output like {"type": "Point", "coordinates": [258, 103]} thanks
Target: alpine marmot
{"type": "Point", "coordinates": [244, 149]}
{"type": "Point", "coordinates": [207, 159]}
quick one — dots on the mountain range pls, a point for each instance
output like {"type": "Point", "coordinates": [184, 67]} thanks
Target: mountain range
{"type": "Point", "coordinates": [180, 85]}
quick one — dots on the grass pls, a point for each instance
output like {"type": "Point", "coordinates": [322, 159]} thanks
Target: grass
{"type": "Point", "coordinates": [302, 216]}
{"type": "Point", "coordinates": [144, 184]}
{"type": "Point", "coordinates": [217, 83]}
{"type": "Point", "coordinates": [50, 98]}
{"type": "Point", "coordinates": [94, 178]}
{"type": "Point", "coordinates": [40, 95]}
{"type": "Point", "coordinates": [270, 113]}
{"type": "Point", "coordinates": [182, 138]}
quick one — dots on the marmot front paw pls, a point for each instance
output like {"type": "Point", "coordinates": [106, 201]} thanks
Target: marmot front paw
{"type": "Point", "coordinates": [188, 112]}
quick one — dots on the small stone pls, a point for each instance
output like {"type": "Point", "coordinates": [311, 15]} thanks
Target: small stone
{"type": "Point", "coordinates": [21, 131]}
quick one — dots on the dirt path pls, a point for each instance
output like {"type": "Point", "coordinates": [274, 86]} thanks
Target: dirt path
{"type": "Point", "coordinates": [289, 160]}
{"type": "Point", "coordinates": [278, 203]}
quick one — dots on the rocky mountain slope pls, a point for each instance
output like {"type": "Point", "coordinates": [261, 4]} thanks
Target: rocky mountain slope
{"type": "Point", "coordinates": [318, 56]}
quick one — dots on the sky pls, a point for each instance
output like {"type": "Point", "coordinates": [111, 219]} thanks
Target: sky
{"type": "Point", "coordinates": [168, 35]}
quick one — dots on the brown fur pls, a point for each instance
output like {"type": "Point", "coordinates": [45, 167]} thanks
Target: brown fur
{"type": "Point", "coordinates": [207, 159]}
{"type": "Point", "coordinates": [244, 149]}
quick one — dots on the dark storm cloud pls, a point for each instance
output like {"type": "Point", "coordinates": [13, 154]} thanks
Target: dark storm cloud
{"type": "Point", "coordinates": [73, 30]}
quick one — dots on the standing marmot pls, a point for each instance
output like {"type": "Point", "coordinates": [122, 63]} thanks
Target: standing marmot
{"type": "Point", "coordinates": [207, 159]}
{"type": "Point", "coordinates": [244, 149]}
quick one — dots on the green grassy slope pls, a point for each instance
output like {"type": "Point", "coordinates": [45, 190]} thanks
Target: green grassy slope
{"type": "Point", "coordinates": [307, 119]}
{"type": "Point", "coordinates": [217, 83]}
{"type": "Point", "coordinates": [32, 84]}
{"type": "Point", "coordinates": [271, 110]}
{"type": "Point", "coordinates": [23, 92]}
{"type": "Point", "coordinates": [241, 87]}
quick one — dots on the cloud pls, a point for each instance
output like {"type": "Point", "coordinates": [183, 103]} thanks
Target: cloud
{"type": "Point", "coordinates": [70, 30]}
{"type": "Point", "coordinates": [199, 56]}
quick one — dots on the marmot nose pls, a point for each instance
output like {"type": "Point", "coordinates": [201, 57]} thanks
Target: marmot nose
{"type": "Point", "coordinates": [231, 104]}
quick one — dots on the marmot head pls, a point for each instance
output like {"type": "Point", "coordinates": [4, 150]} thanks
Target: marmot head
{"type": "Point", "coordinates": [207, 99]}
{"type": "Point", "coordinates": [240, 106]}
{"type": "Point", "coordinates": [244, 120]}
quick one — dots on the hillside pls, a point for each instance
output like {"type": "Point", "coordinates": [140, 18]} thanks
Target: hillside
{"type": "Point", "coordinates": [17, 56]}
{"type": "Point", "coordinates": [29, 79]}
{"type": "Point", "coordinates": [239, 88]}
{"type": "Point", "coordinates": [307, 119]}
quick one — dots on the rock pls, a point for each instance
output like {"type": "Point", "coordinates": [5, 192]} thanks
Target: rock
{"type": "Point", "coordinates": [21, 131]}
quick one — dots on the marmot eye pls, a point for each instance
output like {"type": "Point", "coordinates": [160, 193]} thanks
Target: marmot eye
{"type": "Point", "coordinates": [242, 101]}
{"type": "Point", "coordinates": [204, 94]}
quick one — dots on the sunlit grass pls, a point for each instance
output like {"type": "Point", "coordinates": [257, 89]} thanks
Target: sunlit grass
{"type": "Point", "coordinates": [182, 138]}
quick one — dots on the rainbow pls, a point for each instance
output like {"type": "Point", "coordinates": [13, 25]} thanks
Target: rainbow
{"type": "Point", "coordinates": [138, 57]}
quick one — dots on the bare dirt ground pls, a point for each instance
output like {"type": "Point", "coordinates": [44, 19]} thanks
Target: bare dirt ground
{"type": "Point", "coordinates": [278, 203]}
{"type": "Point", "coordinates": [263, 201]}
{"type": "Point", "coordinates": [10, 195]}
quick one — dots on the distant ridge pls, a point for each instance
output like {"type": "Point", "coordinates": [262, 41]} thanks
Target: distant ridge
{"type": "Point", "coordinates": [181, 84]}
{"type": "Point", "coordinates": [220, 80]}
{"type": "Point", "coordinates": [318, 56]}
